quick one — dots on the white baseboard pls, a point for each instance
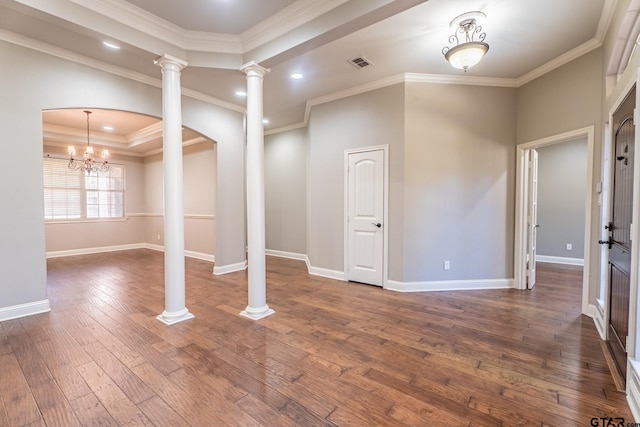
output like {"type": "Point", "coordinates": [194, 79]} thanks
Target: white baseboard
{"type": "Point", "coordinates": [559, 260]}
{"type": "Point", "coordinates": [97, 250]}
{"type": "Point", "coordinates": [22, 310]}
{"type": "Point", "coordinates": [633, 388]}
{"type": "Point", "coordinates": [284, 254]}
{"type": "Point", "coordinates": [325, 272]}
{"type": "Point", "coordinates": [449, 285]}
{"type": "Point", "coordinates": [231, 268]}
{"type": "Point", "coordinates": [102, 249]}
{"type": "Point", "coordinates": [314, 271]}
{"type": "Point", "coordinates": [153, 247]}
{"type": "Point", "coordinates": [200, 256]}
{"type": "Point", "coordinates": [191, 254]}
{"type": "Point", "coordinates": [596, 312]}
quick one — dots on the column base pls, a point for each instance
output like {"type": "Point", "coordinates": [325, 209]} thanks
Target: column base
{"type": "Point", "coordinates": [257, 314]}
{"type": "Point", "coordinates": [171, 318]}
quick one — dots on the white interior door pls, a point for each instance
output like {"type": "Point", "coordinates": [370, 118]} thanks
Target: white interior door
{"type": "Point", "coordinates": [532, 217]}
{"type": "Point", "coordinates": [365, 221]}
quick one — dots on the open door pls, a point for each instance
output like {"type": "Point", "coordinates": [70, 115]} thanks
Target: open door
{"type": "Point", "coordinates": [532, 215]}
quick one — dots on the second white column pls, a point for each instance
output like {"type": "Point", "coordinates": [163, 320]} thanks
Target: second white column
{"type": "Point", "coordinates": [257, 307]}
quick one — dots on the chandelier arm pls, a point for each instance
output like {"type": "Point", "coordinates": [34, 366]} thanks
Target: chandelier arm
{"type": "Point", "coordinates": [88, 162]}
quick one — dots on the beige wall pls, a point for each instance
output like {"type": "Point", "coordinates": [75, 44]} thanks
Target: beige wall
{"type": "Point", "coordinates": [565, 99]}
{"type": "Point", "coordinates": [65, 236]}
{"type": "Point", "coordinates": [369, 119]}
{"type": "Point", "coordinates": [144, 206]}
{"type": "Point", "coordinates": [451, 180]}
{"type": "Point", "coordinates": [35, 81]}
{"type": "Point", "coordinates": [562, 174]}
{"type": "Point", "coordinates": [286, 191]}
{"type": "Point", "coordinates": [459, 167]}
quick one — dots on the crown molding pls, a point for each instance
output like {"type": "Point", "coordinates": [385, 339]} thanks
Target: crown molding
{"type": "Point", "coordinates": [55, 141]}
{"type": "Point", "coordinates": [288, 19]}
{"type": "Point", "coordinates": [212, 100]}
{"type": "Point", "coordinates": [460, 80]}
{"type": "Point", "coordinates": [71, 135]}
{"type": "Point", "coordinates": [144, 135]}
{"type": "Point", "coordinates": [108, 68]}
{"type": "Point", "coordinates": [212, 42]}
{"type": "Point", "coordinates": [605, 19]}
{"type": "Point", "coordinates": [559, 61]}
{"type": "Point", "coordinates": [192, 141]}
{"type": "Point", "coordinates": [389, 81]}
{"type": "Point", "coordinates": [50, 143]}
{"type": "Point", "coordinates": [134, 17]}
{"type": "Point", "coordinates": [356, 90]}
{"type": "Point", "coordinates": [79, 59]}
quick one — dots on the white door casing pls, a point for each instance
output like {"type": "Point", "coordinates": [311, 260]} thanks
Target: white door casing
{"type": "Point", "coordinates": [532, 216]}
{"type": "Point", "coordinates": [522, 207]}
{"type": "Point", "coordinates": [365, 216]}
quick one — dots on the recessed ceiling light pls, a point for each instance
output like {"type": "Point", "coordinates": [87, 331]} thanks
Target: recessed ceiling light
{"type": "Point", "coordinates": [265, 121]}
{"type": "Point", "coordinates": [111, 45]}
{"type": "Point", "coordinates": [108, 128]}
{"type": "Point", "coordinates": [241, 93]}
{"type": "Point", "coordinates": [297, 76]}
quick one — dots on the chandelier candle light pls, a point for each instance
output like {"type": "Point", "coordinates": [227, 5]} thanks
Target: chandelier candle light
{"type": "Point", "coordinates": [469, 48]}
{"type": "Point", "coordinates": [88, 162]}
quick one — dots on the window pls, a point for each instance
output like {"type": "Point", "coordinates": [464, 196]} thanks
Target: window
{"type": "Point", "coordinates": [75, 195]}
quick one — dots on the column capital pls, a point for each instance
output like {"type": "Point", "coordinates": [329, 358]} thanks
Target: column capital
{"type": "Point", "coordinates": [168, 61]}
{"type": "Point", "coordinates": [252, 68]}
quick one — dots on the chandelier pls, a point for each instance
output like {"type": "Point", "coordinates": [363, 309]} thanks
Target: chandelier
{"type": "Point", "coordinates": [469, 46]}
{"type": "Point", "coordinates": [88, 163]}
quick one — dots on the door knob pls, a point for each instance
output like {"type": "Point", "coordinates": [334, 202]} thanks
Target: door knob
{"type": "Point", "coordinates": [377, 224]}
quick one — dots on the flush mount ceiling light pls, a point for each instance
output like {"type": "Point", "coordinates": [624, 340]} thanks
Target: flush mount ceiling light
{"type": "Point", "coordinates": [469, 47]}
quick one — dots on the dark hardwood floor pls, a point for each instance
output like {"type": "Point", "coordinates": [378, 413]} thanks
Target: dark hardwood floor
{"type": "Point", "coordinates": [334, 353]}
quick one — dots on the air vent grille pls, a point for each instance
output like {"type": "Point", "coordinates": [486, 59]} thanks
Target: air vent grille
{"type": "Point", "coordinates": [360, 62]}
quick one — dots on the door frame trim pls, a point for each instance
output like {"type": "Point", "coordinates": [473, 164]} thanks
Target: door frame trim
{"type": "Point", "coordinates": [385, 228]}
{"type": "Point", "coordinates": [632, 338]}
{"type": "Point", "coordinates": [520, 240]}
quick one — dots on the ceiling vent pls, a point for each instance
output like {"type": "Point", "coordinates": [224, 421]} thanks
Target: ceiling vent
{"type": "Point", "coordinates": [360, 62]}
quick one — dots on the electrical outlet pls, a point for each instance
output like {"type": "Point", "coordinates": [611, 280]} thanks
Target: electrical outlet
{"type": "Point", "coordinates": [569, 247]}
{"type": "Point", "coordinates": [158, 236]}
{"type": "Point", "coordinates": [447, 265]}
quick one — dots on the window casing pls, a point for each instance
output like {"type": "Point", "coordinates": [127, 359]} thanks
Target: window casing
{"type": "Point", "coordinates": [74, 195]}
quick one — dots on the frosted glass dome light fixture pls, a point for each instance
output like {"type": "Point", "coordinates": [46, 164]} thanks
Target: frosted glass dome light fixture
{"type": "Point", "coordinates": [468, 41]}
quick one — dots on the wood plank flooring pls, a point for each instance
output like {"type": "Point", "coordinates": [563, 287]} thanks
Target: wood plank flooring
{"type": "Point", "coordinates": [334, 353]}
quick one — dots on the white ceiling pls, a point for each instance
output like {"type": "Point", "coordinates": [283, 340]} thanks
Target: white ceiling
{"type": "Point", "coordinates": [315, 37]}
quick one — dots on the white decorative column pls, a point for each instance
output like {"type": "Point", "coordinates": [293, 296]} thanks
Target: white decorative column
{"type": "Point", "coordinates": [174, 274]}
{"type": "Point", "coordinates": [257, 307]}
